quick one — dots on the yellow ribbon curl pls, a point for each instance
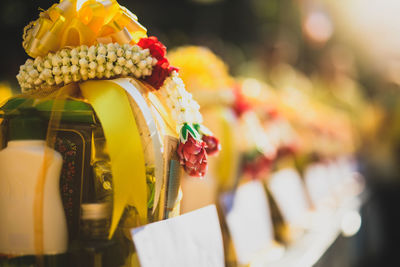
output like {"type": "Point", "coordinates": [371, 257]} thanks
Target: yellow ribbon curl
{"type": "Point", "coordinates": [124, 146]}
{"type": "Point", "coordinates": [72, 23]}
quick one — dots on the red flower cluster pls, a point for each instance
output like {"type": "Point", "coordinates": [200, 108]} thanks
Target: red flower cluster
{"type": "Point", "coordinates": [241, 105]}
{"type": "Point", "coordinates": [193, 156]}
{"type": "Point", "coordinates": [162, 69]}
{"type": "Point", "coordinates": [212, 144]}
{"type": "Point", "coordinates": [258, 166]}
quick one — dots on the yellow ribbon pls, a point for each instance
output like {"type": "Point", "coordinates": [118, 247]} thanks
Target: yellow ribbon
{"type": "Point", "coordinates": [226, 158]}
{"type": "Point", "coordinates": [92, 21]}
{"type": "Point", "coordinates": [111, 104]}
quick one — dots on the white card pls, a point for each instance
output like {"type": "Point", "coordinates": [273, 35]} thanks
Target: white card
{"type": "Point", "coordinates": [288, 191]}
{"type": "Point", "coordinates": [249, 220]}
{"type": "Point", "coordinates": [193, 239]}
{"type": "Point", "coordinates": [318, 183]}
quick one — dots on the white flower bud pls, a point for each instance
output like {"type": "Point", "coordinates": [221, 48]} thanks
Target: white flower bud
{"type": "Point", "coordinates": [129, 64]}
{"type": "Point", "coordinates": [154, 61]}
{"type": "Point", "coordinates": [125, 71]}
{"type": "Point", "coordinates": [120, 52]}
{"type": "Point", "coordinates": [47, 64]}
{"type": "Point", "coordinates": [47, 73]}
{"type": "Point", "coordinates": [29, 62]}
{"type": "Point", "coordinates": [75, 60]}
{"type": "Point", "coordinates": [74, 69]}
{"type": "Point", "coordinates": [56, 61]}
{"type": "Point", "coordinates": [108, 74]}
{"type": "Point", "coordinates": [92, 74]}
{"type": "Point", "coordinates": [34, 73]}
{"type": "Point", "coordinates": [118, 70]}
{"type": "Point", "coordinates": [50, 81]}
{"type": "Point", "coordinates": [111, 56]}
{"type": "Point", "coordinates": [135, 58]}
{"type": "Point", "coordinates": [29, 68]}
{"type": "Point", "coordinates": [110, 47]}
{"type": "Point", "coordinates": [64, 53]}
{"type": "Point", "coordinates": [100, 69]}
{"type": "Point", "coordinates": [65, 69]}
{"type": "Point", "coordinates": [136, 48]}
{"type": "Point", "coordinates": [58, 80]}
{"type": "Point", "coordinates": [42, 76]}
{"type": "Point", "coordinates": [99, 75]}
{"type": "Point", "coordinates": [126, 47]}
{"type": "Point", "coordinates": [128, 54]}
{"type": "Point", "coordinates": [74, 52]}
{"type": "Point", "coordinates": [102, 50]}
{"type": "Point", "coordinates": [40, 67]}
{"type": "Point", "coordinates": [66, 61]}
{"type": "Point", "coordinates": [76, 77]}
{"type": "Point", "coordinates": [109, 66]}
{"type": "Point", "coordinates": [83, 54]}
{"type": "Point", "coordinates": [67, 79]}
{"type": "Point", "coordinates": [121, 61]}
{"type": "Point", "coordinates": [100, 59]}
{"type": "Point", "coordinates": [84, 48]}
{"type": "Point", "coordinates": [142, 64]}
{"type": "Point", "coordinates": [85, 77]}
{"type": "Point", "coordinates": [92, 49]}
{"type": "Point", "coordinates": [83, 72]}
{"type": "Point", "coordinates": [83, 62]}
{"type": "Point", "coordinates": [91, 56]}
{"type": "Point", "coordinates": [37, 61]}
{"type": "Point", "coordinates": [137, 73]}
{"type": "Point", "coordinates": [145, 52]}
{"type": "Point", "coordinates": [93, 65]}
{"type": "Point", "coordinates": [149, 61]}
{"type": "Point", "coordinates": [38, 81]}
{"type": "Point", "coordinates": [56, 71]}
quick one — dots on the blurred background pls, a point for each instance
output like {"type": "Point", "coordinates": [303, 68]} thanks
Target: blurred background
{"type": "Point", "coordinates": [343, 52]}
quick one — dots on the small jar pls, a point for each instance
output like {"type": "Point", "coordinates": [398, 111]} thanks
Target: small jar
{"type": "Point", "coordinates": [95, 221]}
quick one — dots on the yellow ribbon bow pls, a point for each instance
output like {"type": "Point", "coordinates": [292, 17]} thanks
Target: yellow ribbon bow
{"type": "Point", "coordinates": [87, 22]}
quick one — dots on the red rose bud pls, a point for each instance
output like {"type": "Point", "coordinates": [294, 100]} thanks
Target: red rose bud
{"type": "Point", "coordinates": [157, 49]}
{"type": "Point", "coordinates": [158, 75]}
{"type": "Point", "coordinates": [213, 145]}
{"type": "Point", "coordinates": [193, 156]}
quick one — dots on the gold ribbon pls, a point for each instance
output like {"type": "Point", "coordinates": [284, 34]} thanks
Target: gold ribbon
{"type": "Point", "coordinates": [226, 158]}
{"type": "Point", "coordinates": [111, 104]}
{"type": "Point", "coordinates": [94, 21]}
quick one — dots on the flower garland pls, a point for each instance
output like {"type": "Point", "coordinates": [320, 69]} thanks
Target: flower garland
{"type": "Point", "coordinates": [147, 61]}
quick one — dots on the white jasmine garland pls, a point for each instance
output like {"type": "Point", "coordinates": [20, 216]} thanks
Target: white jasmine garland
{"type": "Point", "coordinates": [107, 61]}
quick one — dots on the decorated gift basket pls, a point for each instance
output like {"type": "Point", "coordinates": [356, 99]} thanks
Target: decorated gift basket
{"type": "Point", "coordinates": [97, 141]}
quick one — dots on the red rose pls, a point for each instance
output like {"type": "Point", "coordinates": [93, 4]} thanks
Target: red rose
{"type": "Point", "coordinates": [241, 105]}
{"type": "Point", "coordinates": [212, 144]}
{"type": "Point", "coordinates": [157, 49]}
{"type": "Point", "coordinates": [193, 156]}
{"type": "Point", "coordinates": [158, 75]}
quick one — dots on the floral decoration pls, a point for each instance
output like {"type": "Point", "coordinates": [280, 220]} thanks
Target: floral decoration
{"type": "Point", "coordinates": [145, 60]}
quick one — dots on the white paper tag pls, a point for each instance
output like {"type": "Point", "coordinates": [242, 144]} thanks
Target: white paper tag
{"type": "Point", "coordinates": [193, 239]}
{"type": "Point", "coordinates": [288, 191]}
{"type": "Point", "coordinates": [249, 220]}
{"type": "Point", "coordinates": [318, 183]}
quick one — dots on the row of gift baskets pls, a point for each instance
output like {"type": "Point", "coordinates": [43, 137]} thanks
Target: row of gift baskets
{"type": "Point", "coordinates": [106, 159]}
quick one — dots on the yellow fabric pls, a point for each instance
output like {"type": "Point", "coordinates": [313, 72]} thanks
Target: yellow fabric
{"type": "Point", "coordinates": [111, 104]}
{"type": "Point", "coordinates": [87, 22]}
{"type": "Point", "coordinates": [226, 157]}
